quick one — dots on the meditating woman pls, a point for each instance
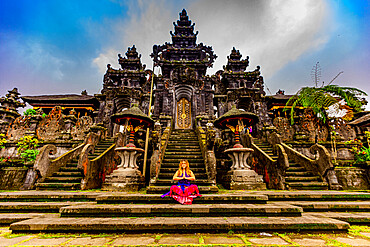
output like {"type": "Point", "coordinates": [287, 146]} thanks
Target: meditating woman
{"type": "Point", "coordinates": [183, 192]}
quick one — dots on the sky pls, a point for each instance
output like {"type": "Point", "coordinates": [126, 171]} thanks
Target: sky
{"type": "Point", "coordinates": [63, 46]}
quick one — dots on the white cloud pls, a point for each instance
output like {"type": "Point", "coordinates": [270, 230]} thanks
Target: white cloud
{"type": "Point", "coordinates": [273, 33]}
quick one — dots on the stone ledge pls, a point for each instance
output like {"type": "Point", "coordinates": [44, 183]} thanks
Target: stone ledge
{"type": "Point", "coordinates": [168, 224]}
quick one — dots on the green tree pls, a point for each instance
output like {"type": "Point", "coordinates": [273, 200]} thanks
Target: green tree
{"type": "Point", "coordinates": [319, 99]}
{"type": "Point", "coordinates": [27, 148]}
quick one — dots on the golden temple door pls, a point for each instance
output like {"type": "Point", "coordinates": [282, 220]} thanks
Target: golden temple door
{"type": "Point", "coordinates": [183, 114]}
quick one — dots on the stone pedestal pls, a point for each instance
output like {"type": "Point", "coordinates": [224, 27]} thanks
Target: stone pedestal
{"type": "Point", "coordinates": [241, 177]}
{"type": "Point", "coordinates": [127, 177]}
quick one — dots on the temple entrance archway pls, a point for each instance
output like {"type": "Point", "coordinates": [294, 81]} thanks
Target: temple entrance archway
{"type": "Point", "coordinates": [183, 113]}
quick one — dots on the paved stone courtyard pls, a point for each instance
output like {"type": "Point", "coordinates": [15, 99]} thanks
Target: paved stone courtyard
{"type": "Point", "coordinates": [357, 236]}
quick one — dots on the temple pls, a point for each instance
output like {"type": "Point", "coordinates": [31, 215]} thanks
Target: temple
{"type": "Point", "coordinates": [231, 132]}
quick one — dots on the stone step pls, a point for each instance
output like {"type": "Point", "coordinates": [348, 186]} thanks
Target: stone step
{"type": "Point", "coordinates": [173, 170]}
{"type": "Point", "coordinates": [178, 210]}
{"type": "Point", "coordinates": [230, 198]}
{"type": "Point", "coordinates": [58, 186]}
{"type": "Point", "coordinates": [176, 165]}
{"type": "Point", "coordinates": [183, 152]}
{"type": "Point", "coordinates": [34, 207]}
{"type": "Point", "coordinates": [180, 224]}
{"type": "Point", "coordinates": [297, 168]}
{"type": "Point", "coordinates": [63, 179]}
{"type": "Point", "coordinates": [169, 182]}
{"type": "Point", "coordinates": [182, 156]}
{"type": "Point", "coordinates": [191, 160]}
{"type": "Point", "coordinates": [316, 196]}
{"type": "Point", "coordinates": [47, 196]}
{"type": "Point", "coordinates": [164, 189]}
{"type": "Point", "coordinates": [69, 169]}
{"type": "Point", "coordinates": [354, 218]}
{"type": "Point", "coordinates": [301, 179]}
{"type": "Point", "coordinates": [335, 206]}
{"type": "Point", "coordinates": [67, 174]}
{"type": "Point", "coordinates": [8, 218]}
{"type": "Point", "coordinates": [308, 185]}
{"type": "Point", "coordinates": [170, 175]}
{"type": "Point", "coordinates": [298, 174]}
{"type": "Point", "coordinates": [70, 164]}
{"type": "Point", "coordinates": [182, 149]}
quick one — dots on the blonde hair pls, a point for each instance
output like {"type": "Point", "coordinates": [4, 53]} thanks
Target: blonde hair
{"type": "Point", "coordinates": [187, 169]}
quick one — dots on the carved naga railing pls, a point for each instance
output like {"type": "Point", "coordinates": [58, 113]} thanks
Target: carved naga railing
{"type": "Point", "coordinates": [322, 166]}
{"type": "Point", "coordinates": [95, 170]}
{"type": "Point", "coordinates": [206, 140]}
{"type": "Point", "coordinates": [273, 170]}
{"type": "Point", "coordinates": [44, 166]}
{"type": "Point", "coordinates": [160, 144]}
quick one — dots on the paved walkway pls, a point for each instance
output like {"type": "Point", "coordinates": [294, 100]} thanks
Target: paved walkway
{"type": "Point", "coordinates": [357, 236]}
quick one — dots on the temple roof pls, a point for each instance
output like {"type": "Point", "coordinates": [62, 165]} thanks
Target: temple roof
{"type": "Point", "coordinates": [65, 100]}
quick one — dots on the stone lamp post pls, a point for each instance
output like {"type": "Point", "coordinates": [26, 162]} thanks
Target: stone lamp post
{"type": "Point", "coordinates": [127, 176]}
{"type": "Point", "coordinates": [240, 175]}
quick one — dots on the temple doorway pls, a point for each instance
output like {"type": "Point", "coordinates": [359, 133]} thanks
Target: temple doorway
{"type": "Point", "coordinates": [183, 120]}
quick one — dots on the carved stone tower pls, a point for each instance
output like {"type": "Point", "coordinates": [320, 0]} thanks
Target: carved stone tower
{"type": "Point", "coordinates": [183, 92]}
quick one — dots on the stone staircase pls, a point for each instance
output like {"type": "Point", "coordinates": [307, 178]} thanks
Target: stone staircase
{"type": "Point", "coordinates": [69, 176]}
{"type": "Point", "coordinates": [296, 177]}
{"type": "Point", "coordinates": [183, 144]}
{"type": "Point", "coordinates": [98, 212]}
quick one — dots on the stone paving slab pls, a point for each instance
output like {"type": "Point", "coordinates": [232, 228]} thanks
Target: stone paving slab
{"type": "Point", "coordinates": [352, 217]}
{"type": "Point", "coordinates": [222, 240]}
{"type": "Point", "coordinates": [309, 242]}
{"type": "Point", "coordinates": [207, 198]}
{"type": "Point", "coordinates": [354, 241]}
{"type": "Point", "coordinates": [89, 241]}
{"type": "Point", "coordinates": [333, 206]}
{"type": "Point", "coordinates": [163, 224]}
{"type": "Point", "coordinates": [176, 239]}
{"type": "Point", "coordinates": [124, 210]}
{"type": "Point", "coordinates": [46, 207]}
{"type": "Point", "coordinates": [268, 241]}
{"type": "Point", "coordinates": [13, 241]}
{"type": "Point", "coordinates": [133, 241]}
{"type": "Point", "coordinates": [44, 242]}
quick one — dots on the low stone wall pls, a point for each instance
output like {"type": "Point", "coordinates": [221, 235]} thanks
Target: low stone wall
{"type": "Point", "coordinates": [12, 178]}
{"type": "Point", "coordinates": [352, 178]}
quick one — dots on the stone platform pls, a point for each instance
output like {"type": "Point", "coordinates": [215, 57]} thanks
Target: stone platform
{"type": "Point", "coordinates": [241, 211]}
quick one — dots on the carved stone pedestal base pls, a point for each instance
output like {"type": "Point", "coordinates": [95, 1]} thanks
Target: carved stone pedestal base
{"type": "Point", "coordinates": [124, 179]}
{"type": "Point", "coordinates": [245, 180]}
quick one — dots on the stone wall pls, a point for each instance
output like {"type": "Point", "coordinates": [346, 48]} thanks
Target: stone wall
{"type": "Point", "coordinates": [353, 178]}
{"type": "Point", "coordinates": [12, 178]}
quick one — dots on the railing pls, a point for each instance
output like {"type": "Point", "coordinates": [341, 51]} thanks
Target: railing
{"type": "Point", "coordinates": [272, 170]}
{"type": "Point", "coordinates": [322, 166]}
{"type": "Point", "coordinates": [44, 167]}
{"type": "Point", "coordinates": [95, 170]}
{"type": "Point", "coordinates": [159, 150]}
{"type": "Point", "coordinates": [206, 141]}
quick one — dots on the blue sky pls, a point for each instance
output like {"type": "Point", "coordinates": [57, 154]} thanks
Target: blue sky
{"type": "Point", "coordinates": [57, 47]}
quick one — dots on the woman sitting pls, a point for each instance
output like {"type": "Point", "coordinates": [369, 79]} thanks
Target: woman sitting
{"type": "Point", "coordinates": [183, 192]}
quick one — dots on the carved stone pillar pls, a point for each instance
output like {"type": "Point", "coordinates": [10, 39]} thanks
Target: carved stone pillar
{"type": "Point", "coordinates": [127, 177]}
{"type": "Point", "coordinates": [241, 177]}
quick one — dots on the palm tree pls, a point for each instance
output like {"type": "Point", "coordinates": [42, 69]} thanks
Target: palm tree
{"type": "Point", "coordinates": [319, 99]}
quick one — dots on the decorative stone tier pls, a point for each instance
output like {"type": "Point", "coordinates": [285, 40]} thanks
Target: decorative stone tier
{"type": "Point", "coordinates": [127, 177]}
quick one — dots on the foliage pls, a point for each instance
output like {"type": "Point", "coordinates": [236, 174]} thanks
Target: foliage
{"type": "Point", "coordinates": [30, 112]}
{"type": "Point", "coordinates": [361, 153]}
{"type": "Point", "coordinates": [3, 140]}
{"type": "Point", "coordinates": [319, 99]}
{"type": "Point", "coordinates": [27, 148]}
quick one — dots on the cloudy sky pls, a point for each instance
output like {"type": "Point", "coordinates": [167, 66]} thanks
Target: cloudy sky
{"type": "Point", "coordinates": [63, 46]}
